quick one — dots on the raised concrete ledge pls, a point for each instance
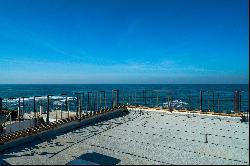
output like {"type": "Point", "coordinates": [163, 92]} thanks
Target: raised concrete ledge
{"type": "Point", "coordinates": [202, 114]}
{"type": "Point", "coordinates": [64, 128]}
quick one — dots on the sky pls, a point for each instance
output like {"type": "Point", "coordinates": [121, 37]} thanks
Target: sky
{"type": "Point", "coordinates": [124, 41]}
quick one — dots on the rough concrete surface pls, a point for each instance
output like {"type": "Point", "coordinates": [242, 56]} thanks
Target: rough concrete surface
{"type": "Point", "coordinates": [147, 137]}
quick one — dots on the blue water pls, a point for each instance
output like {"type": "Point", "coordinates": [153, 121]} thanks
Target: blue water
{"type": "Point", "coordinates": [215, 96]}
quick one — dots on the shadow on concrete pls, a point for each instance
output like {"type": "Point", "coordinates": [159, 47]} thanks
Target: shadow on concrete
{"type": "Point", "coordinates": [94, 158]}
{"type": "Point", "coordinates": [32, 145]}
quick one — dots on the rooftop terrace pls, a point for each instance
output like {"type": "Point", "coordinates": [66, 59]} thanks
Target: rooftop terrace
{"type": "Point", "coordinates": [142, 137]}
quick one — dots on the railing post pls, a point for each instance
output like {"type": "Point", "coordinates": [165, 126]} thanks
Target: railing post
{"type": "Point", "coordinates": [157, 99]}
{"type": "Point", "coordinates": [236, 101]}
{"type": "Point", "coordinates": [100, 102]}
{"type": "Point", "coordinates": [117, 97]}
{"type": "Point", "coordinates": [96, 101]}
{"type": "Point", "coordinates": [128, 95]}
{"type": "Point", "coordinates": [123, 96]}
{"type": "Point", "coordinates": [112, 98]}
{"type": "Point", "coordinates": [143, 96]}
{"type": "Point", "coordinates": [77, 105]}
{"type": "Point", "coordinates": [105, 100]}
{"type": "Point", "coordinates": [66, 105]}
{"type": "Point", "coordinates": [23, 106]}
{"type": "Point", "coordinates": [135, 98]}
{"type": "Point", "coordinates": [190, 101]}
{"type": "Point", "coordinates": [208, 106]}
{"type": "Point", "coordinates": [201, 100]}
{"type": "Point", "coordinates": [93, 99]}
{"type": "Point", "coordinates": [240, 101]}
{"type": "Point", "coordinates": [213, 101]}
{"type": "Point", "coordinates": [218, 102]}
{"type": "Point", "coordinates": [82, 105]}
{"type": "Point", "coordinates": [1, 105]}
{"type": "Point", "coordinates": [47, 119]}
{"type": "Point", "coordinates": [19, 108]}
{"type": "Point", "coordinates": [89, 103]}
{"type": "Point", "coordinates": [34, 100]}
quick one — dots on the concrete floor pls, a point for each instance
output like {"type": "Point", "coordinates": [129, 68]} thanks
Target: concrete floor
{"type": "Point", "coordinates": [148, 138]}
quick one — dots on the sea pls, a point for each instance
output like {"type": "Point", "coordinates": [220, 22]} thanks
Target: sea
{"type": "Point", "coordinates": [211, 97]}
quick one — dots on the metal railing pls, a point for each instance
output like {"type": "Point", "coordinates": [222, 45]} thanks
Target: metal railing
{"type": "Point", "coordinates": [79, 103]}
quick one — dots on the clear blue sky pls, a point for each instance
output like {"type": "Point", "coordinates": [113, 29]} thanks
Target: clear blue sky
{"type": "Point", "coordinates": [124, 41]}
